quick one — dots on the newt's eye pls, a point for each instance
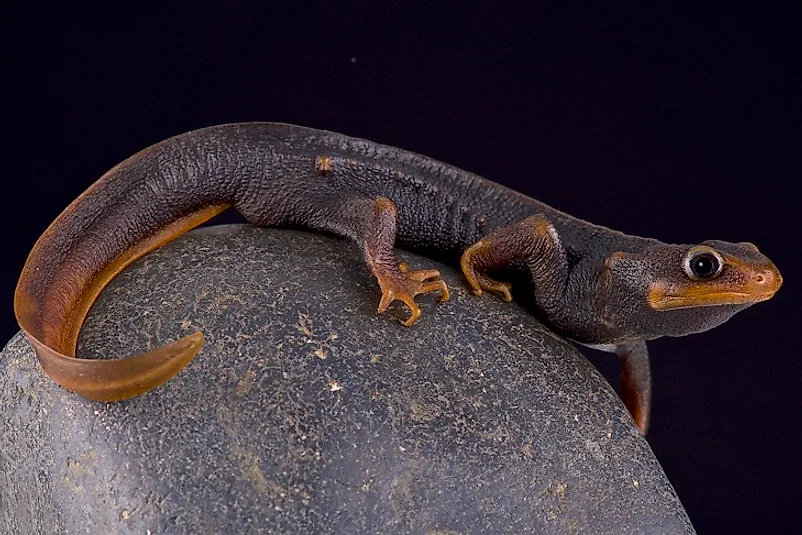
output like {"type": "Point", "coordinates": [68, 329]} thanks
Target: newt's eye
{"type": "Point", "coordinates": [703, 263]}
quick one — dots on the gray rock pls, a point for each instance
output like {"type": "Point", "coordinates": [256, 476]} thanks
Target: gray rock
{"type": "Point", "coordinates": [306, 412]}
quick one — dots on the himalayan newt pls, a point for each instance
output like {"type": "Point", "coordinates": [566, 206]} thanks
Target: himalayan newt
{"type": "Point", "coordinates": [590, 284]}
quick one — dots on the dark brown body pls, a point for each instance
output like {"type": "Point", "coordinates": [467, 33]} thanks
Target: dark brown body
{"type": "Point", "coordinates": [277, 174]}
{"type": "Point", "coordinates": [268, 173]}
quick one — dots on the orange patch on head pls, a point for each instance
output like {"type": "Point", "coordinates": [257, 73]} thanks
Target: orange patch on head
{"type": "Point", "coordinates": [744, 284]}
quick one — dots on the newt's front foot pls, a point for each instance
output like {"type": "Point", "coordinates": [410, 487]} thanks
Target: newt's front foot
{"type": "Point", "coordinates": [402, 284]}
{"type": "Point", "coordinates": [532, 240]}
{"type": "Point", "coordinates": [473, 261]}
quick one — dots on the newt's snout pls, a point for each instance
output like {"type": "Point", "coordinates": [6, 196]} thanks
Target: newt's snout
{"type": "Point", "coordinates": [758, 280]}
{"type": "Point", "coordinates": [767, 281]}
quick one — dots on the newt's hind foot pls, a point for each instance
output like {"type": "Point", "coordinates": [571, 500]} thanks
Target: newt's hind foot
{"type": "Point", "coordinates": [402, 284]}
{"type": "Point", "coordinates": [397, 281]}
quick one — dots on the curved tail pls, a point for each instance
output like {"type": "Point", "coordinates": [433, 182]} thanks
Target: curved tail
{"type": "Point", "coordinates": [136, 207]}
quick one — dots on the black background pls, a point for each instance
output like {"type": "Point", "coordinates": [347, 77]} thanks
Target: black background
{"type": "Point", "coordinates": [677, 125]}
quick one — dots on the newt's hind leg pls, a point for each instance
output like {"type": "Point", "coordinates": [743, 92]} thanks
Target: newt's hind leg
{"type": "Point", "coordinates": [369, 222]}
{"type": "Point", "coordinates": [397, 281]}
{"type": "Point", "coordinates": [330, 206]}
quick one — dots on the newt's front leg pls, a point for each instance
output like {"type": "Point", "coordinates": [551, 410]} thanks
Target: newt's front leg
{"type": "Point", "coordinates": [535, 241]}
{"type": "Point", "coordinates": [636, 382]}
{"type": "Point", "coordinates": [532, 240]}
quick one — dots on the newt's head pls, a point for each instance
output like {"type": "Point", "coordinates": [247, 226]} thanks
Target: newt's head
{"type": "Point", "coordinates": [674, 290]}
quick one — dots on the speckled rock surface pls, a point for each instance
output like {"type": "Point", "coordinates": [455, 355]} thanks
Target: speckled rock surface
{"type": "Point", "coordinates": [306, 412]}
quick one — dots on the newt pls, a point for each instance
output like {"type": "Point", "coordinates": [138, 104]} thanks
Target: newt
{"type": "Point", "coordinates": [590, 284]}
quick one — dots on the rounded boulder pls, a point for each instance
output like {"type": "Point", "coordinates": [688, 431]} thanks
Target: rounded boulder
{"type": "Point", "coordinates": [308, 412]}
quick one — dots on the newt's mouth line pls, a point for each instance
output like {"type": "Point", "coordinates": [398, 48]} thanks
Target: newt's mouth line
{"type": "Point", "coordinates": [663, 301]}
